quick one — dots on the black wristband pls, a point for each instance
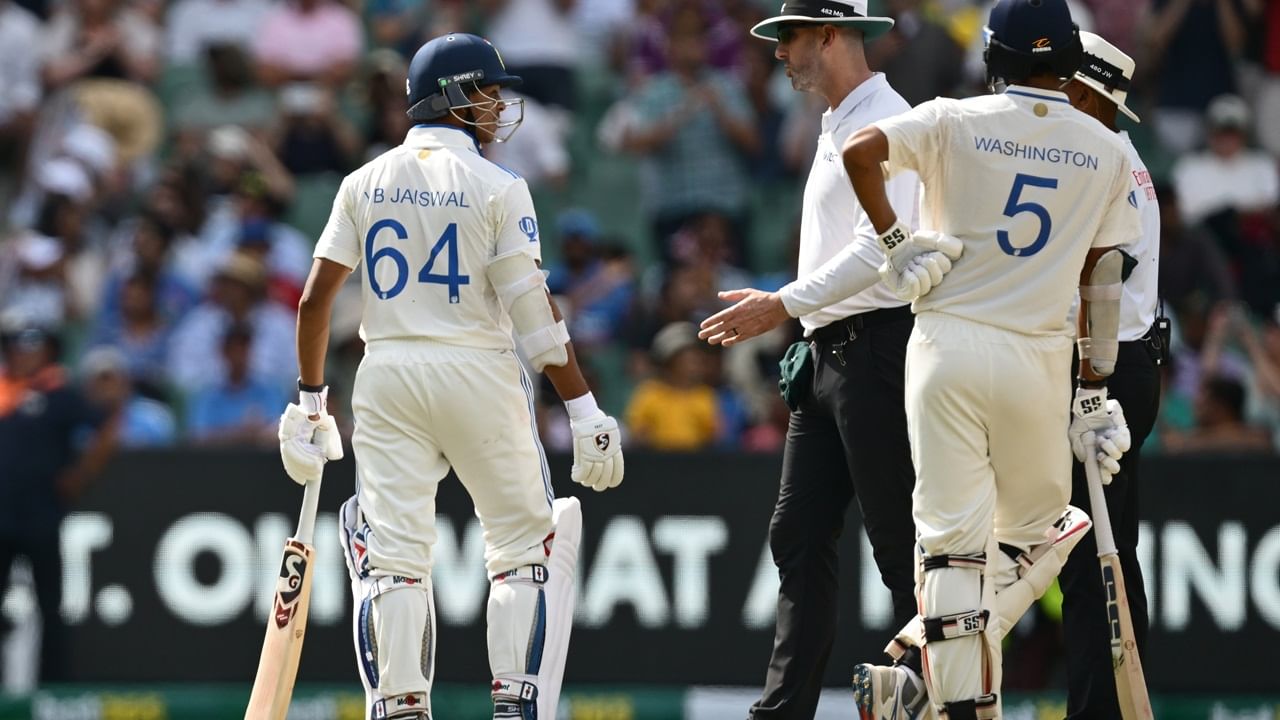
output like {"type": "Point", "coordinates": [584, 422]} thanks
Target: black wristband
{"type": "Point", "coordinates": [303, 387]}
{"type": "Point", "coordinates": [1091, 384]}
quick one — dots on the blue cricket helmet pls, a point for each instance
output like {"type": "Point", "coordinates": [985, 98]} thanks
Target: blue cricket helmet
{"type": "Point", "coordinates": [446, 68]}
{"type": "Point", "coordinates": [1030, 37]}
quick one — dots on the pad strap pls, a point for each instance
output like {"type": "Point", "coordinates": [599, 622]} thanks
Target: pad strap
{"type": "Point", "coordinates": [535, 574]}
{"type": "Point", "coordinates": [510, 292]}
{"type": "Point", "coordinates": [408, 705]}
{"type": "Point", "coordinates": [514, 699]}
{"type": "Point", "coordinates": [982, 707]}
{"type": "Point", "coordinates": [968, 561]}
{"type": "Point", "coordinates": [955, 625]}
{"type": "Point", "coordinates": [1101, 293]}
{"type": "Point", "coordinates": [545, 339]}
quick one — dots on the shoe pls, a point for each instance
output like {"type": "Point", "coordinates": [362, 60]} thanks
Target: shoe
{"type": "Point", "coordinates": [884, 692]}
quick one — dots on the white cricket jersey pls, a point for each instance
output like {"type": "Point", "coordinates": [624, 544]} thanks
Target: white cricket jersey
{"type": "Point", "coordinates": [839, 253]}
{"type": "Point", "coordinates": [1029, 184]}
{"type": "Point", "coordinates": [1141, 291]}
{"type": "Point", "coordinates": [425, 219]}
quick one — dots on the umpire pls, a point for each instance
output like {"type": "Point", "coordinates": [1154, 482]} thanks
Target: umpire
{"type": "Point", "coordinates": [848, 431]}
{"type": "Point", "coordinates": [1099, 89]}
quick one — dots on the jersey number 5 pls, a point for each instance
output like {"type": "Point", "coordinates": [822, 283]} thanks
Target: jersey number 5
{"type": "Point", "coordinates": [1014, 206]}
{"type": "Point", "coordinates": [448, 241]}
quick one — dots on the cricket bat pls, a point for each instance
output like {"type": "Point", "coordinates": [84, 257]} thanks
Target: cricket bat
{"type": "Point", "coordinates": [278, 666]}
{"type": "Point", "coordinates": [1131, 685]}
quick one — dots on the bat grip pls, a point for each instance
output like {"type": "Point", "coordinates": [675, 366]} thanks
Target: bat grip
{"type": "Point", "coordinates": [307, 518]}
{"type": "Point", "coordinates": [1097, 498]}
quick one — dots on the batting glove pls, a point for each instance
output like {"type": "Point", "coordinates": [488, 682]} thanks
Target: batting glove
{"type": "Point", "coordinates": [306, 444]}
{"type": "Point", "coordinates": [1091, 411]}
{"type": "Point", "coordinates": [597, 445]}
{"type": "Point", "coordinates": [916, 262]}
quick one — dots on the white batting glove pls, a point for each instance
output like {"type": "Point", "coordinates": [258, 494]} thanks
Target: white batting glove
{"type": "Point", "coordinates": [306, 444]}
{"type": "Point", "coordinates": [597, 445]}
{"type": "Point", "coordinates": [916, 262]}
{"type": "Point", "coordinates": [1091, 411]}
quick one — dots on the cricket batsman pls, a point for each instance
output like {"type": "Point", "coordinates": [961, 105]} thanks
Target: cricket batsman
{"type": "Point", "coordinates": [447, 245]}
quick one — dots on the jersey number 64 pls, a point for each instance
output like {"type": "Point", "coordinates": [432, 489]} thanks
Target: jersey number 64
{"type": "Point", "coordinates": [448, 241]}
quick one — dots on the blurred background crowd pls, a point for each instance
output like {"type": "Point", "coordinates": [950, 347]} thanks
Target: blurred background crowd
{"type": "Point", "coordinates": [165, 168]}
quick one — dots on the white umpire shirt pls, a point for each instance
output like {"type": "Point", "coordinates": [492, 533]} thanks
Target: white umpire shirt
{"type": "Point", "coordinates": [422, 222]}
{"type": "Point", "coordinates": [838, 273]}
{"type": "Point", "coordinates": [1138, 305]}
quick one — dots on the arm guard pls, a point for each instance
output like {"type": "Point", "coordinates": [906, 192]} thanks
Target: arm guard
{"type": "Point", "coordinates": [1102, 293]}
{"type": "Point", "coordinates": [522, 290]}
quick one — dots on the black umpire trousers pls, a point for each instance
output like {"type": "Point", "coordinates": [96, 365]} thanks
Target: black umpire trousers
{"type": "Point", "coordinates": [847, 439]}
{"type": "Point", "coordinates": [1091, 688]}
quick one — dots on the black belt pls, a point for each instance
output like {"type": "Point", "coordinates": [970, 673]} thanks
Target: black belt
{"type": "Point", "coordinates": [846, 329]}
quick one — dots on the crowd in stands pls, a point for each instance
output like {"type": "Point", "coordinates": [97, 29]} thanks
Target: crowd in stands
{"type": "Point", "coordinates": [165, 168]}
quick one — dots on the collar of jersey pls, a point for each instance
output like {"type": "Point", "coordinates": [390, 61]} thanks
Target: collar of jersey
{"type": "Point", "coordinates": [851, 101]}
{"type": "Point", "coordinates": [424, 135]}
{"type": "Point", "coordinates": [1037, 94]}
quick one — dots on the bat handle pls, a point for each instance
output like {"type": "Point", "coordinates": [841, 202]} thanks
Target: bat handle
{"type": "Point", "coordinates": [307, 518]}
{"type": "Point", "coordinates": [1097, 498]}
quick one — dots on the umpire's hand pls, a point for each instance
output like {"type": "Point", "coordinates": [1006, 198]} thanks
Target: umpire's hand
{"type": "Point", "coordinates": [756, 312]}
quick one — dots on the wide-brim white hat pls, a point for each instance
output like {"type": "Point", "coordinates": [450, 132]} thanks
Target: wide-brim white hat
{"type": "Point", "coordinates": [1107, 70]}
{"type": "Point", "coordinates": [824, 12]}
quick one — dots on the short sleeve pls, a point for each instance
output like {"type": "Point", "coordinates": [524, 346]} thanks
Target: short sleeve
{"type": "Point", "coordinates": [916, 138]}
{"type": "Point", "coordinates": [340, 240]}
{"type": "Point", "coordinates": [1122, 223]}
{"type": "Point", "coordinates": [516, 222]}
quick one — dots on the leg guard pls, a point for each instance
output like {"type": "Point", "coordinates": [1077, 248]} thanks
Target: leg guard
{"type": "Point", "coordinates": [961, 665]}
{"type": "Point", "coordinates": [394, 629]}
{"type": "Point", "coordinates": [530, 616]}
{"type": "Point", "coordinates": [1101, 346]}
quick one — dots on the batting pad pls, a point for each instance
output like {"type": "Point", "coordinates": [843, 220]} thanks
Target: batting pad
{"type": "Point", "coordinates": [530, 616]}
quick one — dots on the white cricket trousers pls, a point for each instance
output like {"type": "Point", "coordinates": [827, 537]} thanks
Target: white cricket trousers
{"type": "Point", "coordinates": [987, 413]}
{"type": "Point", "coordinates": [421, 407]}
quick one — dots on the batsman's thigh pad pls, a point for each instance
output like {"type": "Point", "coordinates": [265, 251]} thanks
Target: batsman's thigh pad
{"type": "Point", "coordinates": [1021, 578]}
{"type": "Point", "coordinates": [394, 629]}
{"type": "Point", "coordinates": [530, 616]}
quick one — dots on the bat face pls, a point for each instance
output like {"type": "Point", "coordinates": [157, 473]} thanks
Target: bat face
{"type": "Point", "coordinates": [1131, 685]}
{"type": "Point", "coordinates": [1113, 614]}
{"type": "Point", "coordinates": [282, 648]}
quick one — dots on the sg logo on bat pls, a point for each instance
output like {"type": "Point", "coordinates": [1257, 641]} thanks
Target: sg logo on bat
{"type": "Point", "coordinates": [293, 569]}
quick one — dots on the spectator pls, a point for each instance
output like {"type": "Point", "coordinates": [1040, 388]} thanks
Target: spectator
{"type": "Point", "coordinates": [144, 422]}
{"type": "Point", "coordinates": [241, 408]}
{"type": "Point", "coordinates": [693, 125]}
{"type": "Point", "coordinates": [36, 282]}
{"type": "Point", "coordinates": [918, 56]}
{"type": "Point", "coordinates": [45, 471]}
{"type": "Point", "coordinates": [195, 27]}
{"type": "Point", "coordinates": [313, 137]}
{"type": "Point", "coordinates": [687, 294]}
{"type": "Point", "coordinates": [20, 90]}
{"type": "Point", "coordinates": [100, 39]}
{"type": "Point", "coordinates": [1194, 44]}
{"type": "Point", "coordinates": [1229, 176]}
{"type": "Point", "coordinates": [388, 123]}
{"type": "Point", "coordinates": [150, 238]}
{"type": "Point", "coordinates": [289, 46]}
{"type": "Point", "coordinates": [138, 329]}
{"type": "Point", "coordinates": [400, 25]}
{"type": "Point", "coordinates": [237, 296]}
{"type": "Point", "coordinates": [676, 411]}
{"type": "Point", "coordinates": [1193, 268]}
{"type": "Point", "coordinates": [596, 283]}
{"type": "Point", "coordinates": [539, 45]}
{"type": "Point", "coordinates": [252, 214]}
{"type": "Point", "coordinates": [1220, 425]}
{"type": "Point", "coordinates": [230, 98]}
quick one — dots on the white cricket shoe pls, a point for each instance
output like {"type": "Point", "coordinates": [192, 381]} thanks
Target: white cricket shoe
{"type": "Point", "coordinates": [889, 692]}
